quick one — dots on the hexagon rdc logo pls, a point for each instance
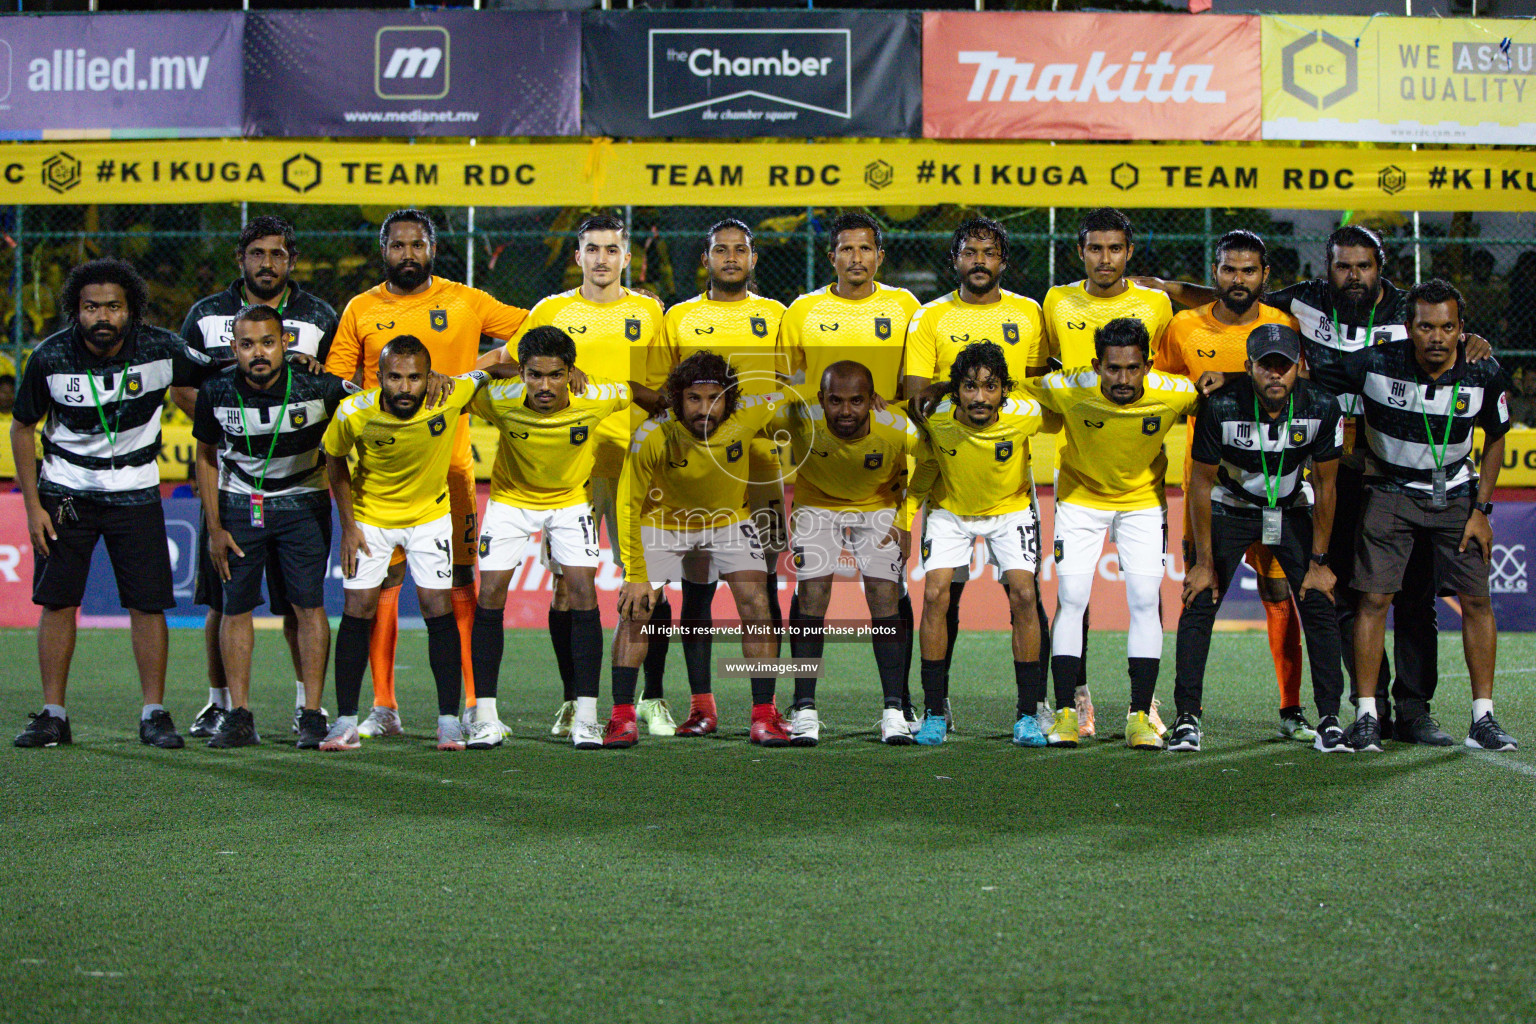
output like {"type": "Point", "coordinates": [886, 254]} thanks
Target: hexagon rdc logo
{"type": "Point", "coordinates": [61, 172]}
{"type": "Point", "coordinates": [1124, 176]}
{"type": "Point", "coordinates": [301, 172]}
{"type": "Point", "coordinates": [878, 174]}
{"type": "Point", "coordinates": [1319, 69]}
{"type": "Point", "coordinates": [1392, 179]}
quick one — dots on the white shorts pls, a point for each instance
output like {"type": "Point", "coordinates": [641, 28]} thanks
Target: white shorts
{"type": "Point", "coordinates": [1013, 539]}
{"type": "Point", "coordinates": [604, 492]}
{"type": "Point", "coordinates": [818, 537]}
{"type": "Point", "coordinates": [428, 552]}
{"type": "Point", "coordinates": [1140, 535]}
{"type": "Point", "coordinates": [570, 535]}
{"type": "Point", "coordinates": [675, 555]}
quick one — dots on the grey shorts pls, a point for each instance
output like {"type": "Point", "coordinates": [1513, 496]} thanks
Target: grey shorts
{"type": "Point", "coordinates": [1392, 521]}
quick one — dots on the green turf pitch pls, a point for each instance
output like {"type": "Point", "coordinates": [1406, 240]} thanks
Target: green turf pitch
{"type": "Point", "coordinates": [708, 880]}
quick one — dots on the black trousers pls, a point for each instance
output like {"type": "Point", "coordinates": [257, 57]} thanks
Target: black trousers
{"type": "Point", "coordinates": [1231, 536]}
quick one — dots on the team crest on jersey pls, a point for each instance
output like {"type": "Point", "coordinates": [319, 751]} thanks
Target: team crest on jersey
{"type": "Point", "coordinates": [1011, 333]}
{"type": "Point", "coordinates": [733, 453]}
{"type": "Point", "coordinates": [631, 329]}
{"type": "Point", "coordinates": [1058, 551]}
{"type": "Point", "coordinates": [759, 326]}
{"type": "Point", "coordinates": [290, 336]}
{"type": "Point", "coordinates": [873, 460]}
{"type": "Point", "coordinates": [883, 327]}
{"type": "Point", "coordinates": [485, 545]}
{"type": "Point", "coordinates": [297, 418]}
{"type": "Point", "coordinates": [1151, 424]}
{"type": "Point", "coordinates": [1298, 437]}
{"type": "Point", "coordinates": [437, 424]}
{"type": "Point", "coordinates": [579, 434]}
{"type": "Point", "coordinates": [799, 558]}
{"type": "Point", "coordinates": [927, 549]}
{"type": "Point", "coordinates": [133, 384]}
{"type": "Point", "coordinates": [1003, 451]}
{"type": "Point", "coordinates": [1462, 404]}
{"type": "Point", "coordinates": [437, 319]}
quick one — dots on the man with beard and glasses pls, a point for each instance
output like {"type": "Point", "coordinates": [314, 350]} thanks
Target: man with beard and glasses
{"type": "Point", "coordinates": [1110, 484]}
{"type": "Point", "coordinates": [397, 497]}
{"type": "Point", "coordinates": [1214, 337]}
{"type": "Point", "coordinates": [1351, 309]}
{"type": "Point", "coordinates": [100, 383]}
{"type": "Point", "coordinates": [266, 253]}
{"type": "Point", "coordinates": [979, 309]}
{"type": "Point", "coordinates": [266, 507]}
{"type": "Point", "coordinates": [450, 319]}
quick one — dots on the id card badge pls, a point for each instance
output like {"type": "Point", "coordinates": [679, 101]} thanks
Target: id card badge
{"type": "Point", "coordinates": [258, 512]}
{"type": "Point", "coordinates": [1438, 481]}
{"type": "Point", "coordinates": [1273, 519]}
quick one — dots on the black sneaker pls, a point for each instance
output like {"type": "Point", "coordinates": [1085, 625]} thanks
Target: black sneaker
{"type": "Point", "coordinates": [1384, 717]}
{"type": "Point", "coordinates": [1330, 737]}
{"type": "Point", "coordinates": [1425, 730]}
{"type": "Point", "coordinates": [207, 721]}
{"type": "Point", "coordinates": [1185, 734]}
{"type": "Point", "coordinates": [1485, 734]}
{"type": "Point", "coordinates": [237, 729]}
{"type": "Point", "coordinates": [45, 730]}
{"type": "Point", "coordinates": [159, 731]}
{"type": "Point", "coordinates": [1364, 733]}
{"type": "Point", "coordinates": [313, 727]}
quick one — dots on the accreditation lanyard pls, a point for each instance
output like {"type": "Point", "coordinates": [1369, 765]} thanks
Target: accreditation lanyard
{"type": "Point", "coordinates": [1354, 404]}
{"type": "Point", "coordinates": [1273, 517]}
{"type": "Point", "coordinates": [258, 511]}
{"type": "Point", "coordinates": [1438, 476]}
{"type": "Point", "coordinates": [287, 294]}
{"type": "Point", "coordinates": [117, 413]}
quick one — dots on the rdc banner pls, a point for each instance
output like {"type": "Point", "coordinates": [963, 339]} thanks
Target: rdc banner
{"type": "Point", "coordinates": [723, 74]}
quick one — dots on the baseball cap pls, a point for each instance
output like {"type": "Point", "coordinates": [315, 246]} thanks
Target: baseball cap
{"type": "Point", "coordinates": [1274, 339]}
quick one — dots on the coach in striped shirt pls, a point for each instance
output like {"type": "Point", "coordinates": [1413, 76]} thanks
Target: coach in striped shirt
{"type": "Point", "coordinates": [1421, 399]}
{"type": "Point", "coordinates": [267, 504]}
{"type": "Point", "coordinates": [101, 384]}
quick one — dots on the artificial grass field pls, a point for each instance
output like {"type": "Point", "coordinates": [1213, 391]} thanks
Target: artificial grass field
{"type": "Point", "coordinates": [710, 880]}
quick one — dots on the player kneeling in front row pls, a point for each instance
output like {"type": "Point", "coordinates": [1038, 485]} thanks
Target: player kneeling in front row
{"type": "Point", "coordinates": [977, 443]}
{"type": "Point", "coordinates": [397, 498]}
{"type": "Point", "coordinates": [682, 504]}
{"type": "Point", "coordinates": [1251, 440]}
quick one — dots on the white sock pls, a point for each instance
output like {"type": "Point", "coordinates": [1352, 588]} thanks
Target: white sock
{"type": "Point", "coordinates": [346, 720]}
{"type": "Point", "coordinates": [56, 710]}
{"type": "Point", "coordinates": [298, 693]}
{"type": "Point", "coordinates": [148, 710]}
{"type": "Point", "coordinates": [218, 696]}
{"type": "Point", "coordinates": [1367, 708]}
{"type": "Point", "coordinates": [586, 709]}
{"type": "Point", "coordinates": [485, 709]}
{"type": "Point", "coordinates": [1481, 707]}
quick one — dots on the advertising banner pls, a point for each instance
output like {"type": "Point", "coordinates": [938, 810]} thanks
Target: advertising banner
{"type": "Point", "coordinates": [1451, 80]}
{"type": "Point", "coordinates": [120, 75]}
{"type": "Point", "coordinates": [722, 74]}
{"type": "Point", "coordinates": [412, 72]}
{"type": "Point", "coordinates": [1044, 75]}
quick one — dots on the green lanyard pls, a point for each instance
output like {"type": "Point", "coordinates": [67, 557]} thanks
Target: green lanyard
{"type": "Point", "coordinates": [287, 294]}
{"type": "Point", "coordinates": [1450, 421]}
{"type": "Point", "coordinates": [1370, 325]}
{"type": "Point", "coordinates": [261, 481]}
{"type": "Point", "coordinates": [1272, 492]}
{"type": "Point", "coordinates": [117, 414]}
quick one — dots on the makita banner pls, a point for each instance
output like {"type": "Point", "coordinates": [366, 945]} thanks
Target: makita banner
{"type": "Point", "coordinates": [1042, 75]}
{"type": "Point", "coordinates": [723, 74]}
{"type": "Point", "coordinates": [120, 75]}
{"type": "Point", "coordinates": [326, 73]}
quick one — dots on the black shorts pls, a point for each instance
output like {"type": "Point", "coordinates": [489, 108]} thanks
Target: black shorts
{"type": "Point", "coordinates": [136, 544]}
{"type": "Point", "coordinates": [293, 549]}
{"type": "Point", "coordinates": [208, 591]}
{"type": "Point", "coordinates": [1391, 521]}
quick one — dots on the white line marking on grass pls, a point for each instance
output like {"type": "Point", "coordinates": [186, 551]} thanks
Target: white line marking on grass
{"type": "Point", "coordinates": [1500, 672]}
{"type": "Point", "coordinates": [1514, 766]}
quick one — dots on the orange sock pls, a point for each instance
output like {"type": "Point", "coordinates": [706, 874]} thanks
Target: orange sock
{"type": "Point", "coordinates": [1285, 647]}
{"type": "Point", "coordinates": [464, 615]}
{"type": "Point", "coordinates": [704, 702]}
{"type": "Point", "coordinates": [381, 647]}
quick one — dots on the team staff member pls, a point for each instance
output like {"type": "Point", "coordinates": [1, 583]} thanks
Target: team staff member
{"type": "Point", "coordinates": [450, 319]}
{"type": "Point", "coordinates": [732, 321]}
{"type": "Point", "coordinates": [977, 442]}
{"type": "Point", "coordinates": [397, 498]}
{"type": "Point", "coordinates": [1252, 439]}
{"type": "Point", "coordinates": [258, 427]}
{"type": "Point", "coordinates": [265, 253]}
{"type": "Point", "coordinates": [1215, 338]}
{"type": "Point", "coordinates": [100, 383]}
{"type": "Point", "coordinates": [1110, 484]}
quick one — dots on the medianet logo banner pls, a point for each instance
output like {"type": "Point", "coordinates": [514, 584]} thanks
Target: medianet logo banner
{"type": "Point", "coordinates": [1042, 75]}
{"type": "Point", "coordinates": [741, 75]}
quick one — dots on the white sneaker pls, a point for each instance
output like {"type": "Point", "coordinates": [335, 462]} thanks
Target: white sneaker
{"type": "Point", "coordinates": [485, 735]}
{"type": "Point", "coordinates": [804, 727]}
{"type": "Point", "coordinates": [380, 722]}
{"type": "Point", "coordinates": [586, 735]}
{"type": "Point", "coordinates": [657, 717]}
{"type": "Point", "coordinates": [563, 719]}
{"type": "Point", "coordinates": [893, 728]}
{"type": "Point", "coordinates": [342, 737]}
{"type": "Point", "coordinates": [450, 734]}
{"type": "Point", "coordinates": [1045, 716]}
{"type": "Point", "coordinates": [471, 717]}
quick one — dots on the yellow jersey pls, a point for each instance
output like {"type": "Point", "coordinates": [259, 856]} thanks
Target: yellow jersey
{"type": "Point", "coordinates": [861, 475]}
{"type": "Point", "coordinates": [985, 471]}
{"type": "Point", "coordinates": [613, 341]}
{"type": "Point", "coordinates": [1113, 457]}
{"type": "Point", "coordinates": [400, 478]}
{"type": "Point", "coordinates": [543, 460]}
{"type": "Point", "coordinates": [940, 330]}
{"type": "Point", "coordinates": [746, 333]}
{"type": "Point", "coordinates": [820, 329]}
{"type": "Point", "coordinates": [1072, 316]}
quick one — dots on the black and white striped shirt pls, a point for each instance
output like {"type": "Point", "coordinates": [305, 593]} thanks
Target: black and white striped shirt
{"type": "Point", "coordinates": [1398, 397]}
{"type": "Point", "coordinates": [296, 476]}
{"type": "Point", "coordinates": [79, 457]}
{"type": "Point", "coordinates": [1226, 436]}
{"type": "Point", "coordinates": [309, 323]}
{"type": "Point", "coordinates": [1312, 304]}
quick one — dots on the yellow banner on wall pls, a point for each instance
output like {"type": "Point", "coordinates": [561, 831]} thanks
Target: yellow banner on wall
{"type": "Point", "coordinates": [1454, 80]}
{"type": "Point", "coordinates": [764, 173]}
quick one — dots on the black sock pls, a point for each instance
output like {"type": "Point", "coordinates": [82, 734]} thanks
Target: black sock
{"type": "Point", "coordinates": [1143, 682]}
{"type": "Point", "coordinates": [656, 652]}
{"type": "Point", "coordinates": [807, 641]}
{"type": "Point", "coordinates": [890, 655]}
{"type": "Point", "coordinates": [447, 666]}
{"type": "Point", "coordinates": [952, 623]}
{"type": "Point", "coordinates": [352, 639]}
{"type": "Point", "coordinates": [624, 680]}
{"type": "Point", "coordinates": [908, 642]}
{"type": "Point", "coordinates": [1030, 685]}
{"type": "Point", "coordinates": [1082, 660]}
{"type": "Point", "coordinates": [775, 613]}
{"type": "Point", "coordinates": [935, 686]}
{"type": "Point", "coordinates": [560, 637]}
{"type": "Point", "coordinates": [1065, 671]}
{"type": "Point", "coordinates": [762, 689]}
{"type": "Point", "coordinates": [698, 645]}
{"type": "Point", "coordinates": [1045, 638]}
{"type": "Point", "coordinates": [587, 651]}
{"type": "Point", "coordinates": [486, 645]}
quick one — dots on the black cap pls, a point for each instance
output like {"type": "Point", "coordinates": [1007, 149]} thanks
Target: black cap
{"type": "Point", "coordinates": [1274, 339]}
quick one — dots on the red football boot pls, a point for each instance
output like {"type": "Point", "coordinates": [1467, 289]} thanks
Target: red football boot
{"type": "Point", "coordinates": [702, 718]}
{"type": "Point", "coordinates": [767, 727]}
{"type": "Point", "coordinates": [620, 734]}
